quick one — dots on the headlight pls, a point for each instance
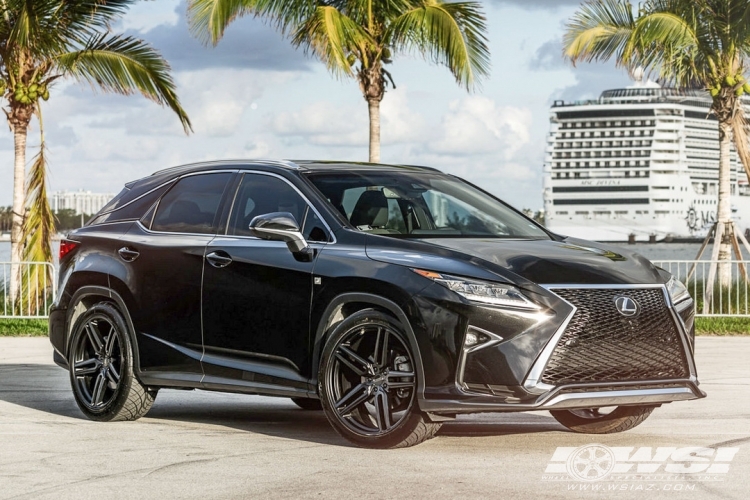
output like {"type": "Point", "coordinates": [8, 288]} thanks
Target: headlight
{"type": "Point", "coordinates": [677, 291]}
{"type": "Point", "coordinates": [485, 292]}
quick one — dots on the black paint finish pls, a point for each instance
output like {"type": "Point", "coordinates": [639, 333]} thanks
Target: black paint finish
{"type": "Point", "coordinates": [238, 313]}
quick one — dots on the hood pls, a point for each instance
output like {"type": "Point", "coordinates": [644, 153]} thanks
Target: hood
{"type": "Point", "coordinates": [570, 261]}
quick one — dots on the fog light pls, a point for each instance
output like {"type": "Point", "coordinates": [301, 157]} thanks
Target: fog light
{"type": "Point", "coordinates": [471, 339]}
{"type": "Point", "coordinates": [478, 338]}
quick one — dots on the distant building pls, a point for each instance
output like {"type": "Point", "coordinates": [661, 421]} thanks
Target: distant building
{"type": "Point", "coordinates": [82, 202]}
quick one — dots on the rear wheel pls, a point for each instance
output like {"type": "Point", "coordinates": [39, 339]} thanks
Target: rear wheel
{"type": "Point", "coordinates": [368, 384]}
{"type": "Point", "coordinates": [100, 357]}
{"type": "Point", "coordinates": [603, 420]}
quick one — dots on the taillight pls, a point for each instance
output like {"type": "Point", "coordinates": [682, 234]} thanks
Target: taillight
{"type": "Point", "coordinates": [67, 246]}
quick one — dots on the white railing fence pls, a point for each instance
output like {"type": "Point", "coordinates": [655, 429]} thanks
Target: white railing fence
{"type": "Point", "coordinates": [730, 298]}
{"type": "Point", "coordinates": [27, 289]}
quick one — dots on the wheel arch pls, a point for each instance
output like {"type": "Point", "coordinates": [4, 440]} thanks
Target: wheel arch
{"type": "Point", "coordinates": [87, 296]}
{"type": "Point", "coordinates": [346, 304]}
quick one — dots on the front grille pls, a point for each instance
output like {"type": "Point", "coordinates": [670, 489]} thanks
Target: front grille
{"type": "Point", "coordinates": [601, 345]}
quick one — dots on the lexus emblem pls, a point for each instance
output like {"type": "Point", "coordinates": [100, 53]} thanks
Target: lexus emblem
{"type": "Point", "coordinates": [627, 306]}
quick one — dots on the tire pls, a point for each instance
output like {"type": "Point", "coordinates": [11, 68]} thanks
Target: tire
{"type": "Point", "coordinates": [100, 356]}
{"type": "Point", "coordinates": [590, 421]}
{"type": "Point", "coordinates": [367, 383]}
{"type": "Point", "coordinates": [308, 404]}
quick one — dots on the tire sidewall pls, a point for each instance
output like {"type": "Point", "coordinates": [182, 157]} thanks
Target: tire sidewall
{"type": "Point", "coordinates": [112, 409]}
{"type": "Point", "coordinates": [606, 423]}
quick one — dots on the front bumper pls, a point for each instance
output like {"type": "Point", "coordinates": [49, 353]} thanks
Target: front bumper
{"type": "Point", "coordinates": [573, 397]}
{"type": "Point", "coordinates": [510, 372]}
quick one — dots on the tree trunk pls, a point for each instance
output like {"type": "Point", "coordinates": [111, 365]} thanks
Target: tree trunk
{"type": "Point", "coordinates": [19, 206]}
{"type": "Point", "coordinates": [374, 109]}
{"type": "Point", "coordinates": [372, 85]}
{"type": "Point", "coordinates": [724, 209]}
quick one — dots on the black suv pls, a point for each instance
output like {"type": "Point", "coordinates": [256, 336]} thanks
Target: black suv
{"type": "Point", "coordinates": [395, 297]}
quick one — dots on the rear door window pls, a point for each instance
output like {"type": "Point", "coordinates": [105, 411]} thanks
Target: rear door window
{"type": "Point", "coordinates": [192, 204]}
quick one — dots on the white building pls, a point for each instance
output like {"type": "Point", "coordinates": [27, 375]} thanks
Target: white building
{"type": "Point", "coordinates": [640, 161]}
{"type": "Point", "coordinates": [82, 202]}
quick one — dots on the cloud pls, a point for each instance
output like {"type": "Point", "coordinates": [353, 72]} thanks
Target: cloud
{"type": "Point", "coordinates": [549, 56]}
{"type": "Point", "coordinates": [591, 78]}
{"type": "Point", "coordinates": [247, 43]}
{"type": "Point", "coordinates": [325, 123]}
{"type": "Point", "coordinates": [476, 125]}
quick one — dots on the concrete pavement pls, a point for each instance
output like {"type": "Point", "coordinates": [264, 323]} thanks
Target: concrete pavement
{"type": "Point", "coordinates": [208, 445]}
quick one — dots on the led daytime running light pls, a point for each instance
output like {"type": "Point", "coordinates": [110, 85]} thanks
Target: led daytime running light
{"type": "Point", "coordinates": [485, 292]}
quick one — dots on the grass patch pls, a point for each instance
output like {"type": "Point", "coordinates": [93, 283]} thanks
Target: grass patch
{"type": "Point", "coordinates": [722, 326]}
{"type": "Point", "coordinates": [703, 326]}
{"type": "Point", "coordinates": [23, 327]}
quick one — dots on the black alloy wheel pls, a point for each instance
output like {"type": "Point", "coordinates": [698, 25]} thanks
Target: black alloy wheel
{"type": "Point", "coordinates": [101, 367]}
{"type": "Point", "coordinates": [603, 420]}
{"type": "Point", "coordinates": [368, 383]}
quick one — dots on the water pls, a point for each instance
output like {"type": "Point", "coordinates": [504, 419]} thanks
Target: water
{"type": "Point", "coordinates": [652, 251]}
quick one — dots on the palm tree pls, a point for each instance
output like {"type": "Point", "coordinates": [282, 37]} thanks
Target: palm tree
{"type": "Point", "coordinates": [42, 41]}
{"type": "Point", "coordinates": [357, 38]}
{"type": "Point", "coordinates": [689, 44]}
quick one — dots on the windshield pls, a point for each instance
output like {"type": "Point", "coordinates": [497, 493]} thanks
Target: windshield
{"type": "Point", "coordinates": [420, 204]}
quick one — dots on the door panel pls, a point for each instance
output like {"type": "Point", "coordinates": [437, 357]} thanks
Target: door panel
{"type": "Point", "coordinates": [165, 263]}
{"type": "Point", "coordinates": [256, 312]}
{"type": "Point", "coordinates": [257, 295]}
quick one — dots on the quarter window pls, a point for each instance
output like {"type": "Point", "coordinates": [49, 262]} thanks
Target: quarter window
{"type": "Point", "coordinates": [191, 205]}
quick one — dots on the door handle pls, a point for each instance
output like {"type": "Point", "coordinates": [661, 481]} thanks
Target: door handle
{"type": "Point", "coordinates": [128, 254]}
{"type": "Point", "coordinates": [219, 260]}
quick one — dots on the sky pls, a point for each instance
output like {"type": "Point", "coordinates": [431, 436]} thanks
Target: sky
{"type": "Point", "coordinates": [254, 96]}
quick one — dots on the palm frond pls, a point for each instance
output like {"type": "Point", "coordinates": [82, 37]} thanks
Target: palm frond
{"type": "Point", "coordinates": [600, 30]}
{"type": "Point", "coordinates": [124, 65]}
{"type": "Point", "coordinates": [331, 36]}
{"type": "Point", "coordinates": [209, 19]}
{"type": "Point", "coordinates": [741, 139]}
{"type": "Point", "coordinates": [38, 229]}
{"type": "Point", "coordinates": [668, 44]}
{"type": "Point", "coordinates": [452, 34]}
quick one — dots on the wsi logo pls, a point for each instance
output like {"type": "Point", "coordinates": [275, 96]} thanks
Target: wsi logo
{"type": "Point", "coordinates": [597, 462]}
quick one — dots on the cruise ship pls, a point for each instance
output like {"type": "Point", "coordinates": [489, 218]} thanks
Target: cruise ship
{"type": "Point", "coordinates": [639, 163]}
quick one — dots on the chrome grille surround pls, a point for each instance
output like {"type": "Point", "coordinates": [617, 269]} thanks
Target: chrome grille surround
{"type": "Point", "coordinates": [617, 367]}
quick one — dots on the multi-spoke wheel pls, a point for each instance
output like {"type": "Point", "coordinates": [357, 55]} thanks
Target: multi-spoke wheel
{"type": "Point", "coordinates": [101, 367]}
{"type": "Point", "coordinates": [368, 383]}
{"type": "Point", "coordinates": [603, 420]}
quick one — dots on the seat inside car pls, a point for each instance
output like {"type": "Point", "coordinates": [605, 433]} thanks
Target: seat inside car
{"type": "Point", "coordinates": [370, 210]}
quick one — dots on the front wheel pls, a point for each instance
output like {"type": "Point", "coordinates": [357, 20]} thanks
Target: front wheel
{"type": "Point", "coordinates": [100, 357]}
{"type": "Point", "coordinates": [603, 420]}
{"type": "Point", "coordinates": [368, 383]}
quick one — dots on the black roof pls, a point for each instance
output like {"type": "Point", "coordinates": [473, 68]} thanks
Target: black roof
{"type": "Point", "coordinates": [137, 188]}
{"type": "Point", "coordinates": [298, 165]}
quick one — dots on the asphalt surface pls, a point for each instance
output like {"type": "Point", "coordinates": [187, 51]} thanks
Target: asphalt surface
{"type": "Point", "coordinates": [208, 445]}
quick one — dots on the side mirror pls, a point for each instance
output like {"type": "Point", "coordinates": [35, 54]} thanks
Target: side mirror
{"type": "Point", "coordinates": [279, 226]}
